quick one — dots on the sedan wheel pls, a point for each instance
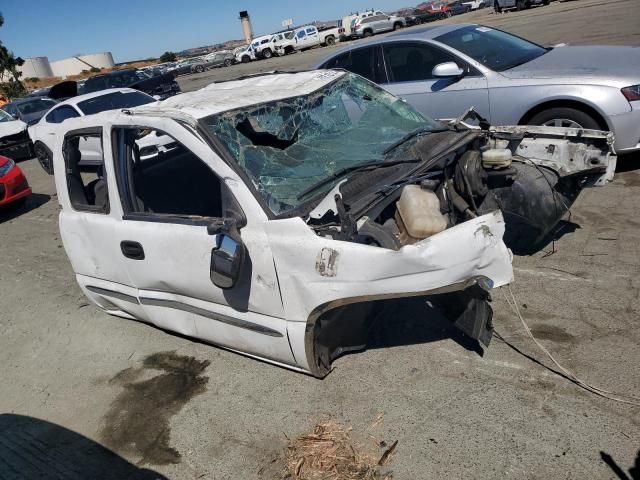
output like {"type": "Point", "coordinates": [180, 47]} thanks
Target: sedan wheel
{"type": "Point", "coordinates": [565, 117]}
{"type": "Point", "coordinates": [267, 53]}
{"type": "Point", "coordinates": [562, 122]}
{"type": "Point", "coordinates": [228, 62]}
{"type": "Point", "coordinates": [199, 69]}
{"type": "Point", "coordinates": [44, 158]}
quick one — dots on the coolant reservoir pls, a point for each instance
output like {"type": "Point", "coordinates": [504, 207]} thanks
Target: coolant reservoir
{"type": "Point", "coordinates": [418, 214]}
{"type": "Point", "coordinates": [496, 158]}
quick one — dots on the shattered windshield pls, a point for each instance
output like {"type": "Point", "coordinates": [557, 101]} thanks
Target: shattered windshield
{"type": "Point", "coordinates": [288, 145]}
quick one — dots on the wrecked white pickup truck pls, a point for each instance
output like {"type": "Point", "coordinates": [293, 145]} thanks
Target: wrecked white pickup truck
{"type": "Point", "coordinates": [289, 205]}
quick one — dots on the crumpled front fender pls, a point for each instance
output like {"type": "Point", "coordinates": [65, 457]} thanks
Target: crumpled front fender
{"type": "Point", "coordinates": [316, 273]}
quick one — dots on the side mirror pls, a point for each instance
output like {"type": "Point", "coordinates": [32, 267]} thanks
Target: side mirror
{"type": "Point", "coordinates": [227, 258]}
{"type": "Point", "coordinates": [447, 70]}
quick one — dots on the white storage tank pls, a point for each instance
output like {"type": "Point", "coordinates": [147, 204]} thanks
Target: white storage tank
{"type": "Point", "coordinates": [37, 67]}
{"type": "Point", "coordinates": [75, 65]}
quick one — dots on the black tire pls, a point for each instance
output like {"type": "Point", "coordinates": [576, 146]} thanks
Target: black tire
{"type": "Point", "coordinates": [228, 62]}
{"type": "Point", "coordinates": [520, 5]}
{"type": "Point", "coordinates": [330, 40]}
{"type": "Point", "coordinates": [561, 114]}
{"type": "Point", "coordinates": [44, 157]}
{"type": "Point", "coordinates": [267, 53]}
{"type": "Point", "coordinates": [199, 69]}
{"type": "Point", "coordinates": [397, 26]}
{"type": "Point", "coordinates": [449, 14]}
{"type": "Point", "coordinates": [496, 7]}
{"type": "Point", "coordinates": [246, 59]}
{"type": "Point", "coordinates": [367, 33]}
{"type": "Point", "coordinates": [546, 2]}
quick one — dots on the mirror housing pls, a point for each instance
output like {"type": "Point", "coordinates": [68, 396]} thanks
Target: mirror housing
{"type": "Point", "coordinates": [227, 257]}
{"type": "Point", "coordinates": [447, 70]}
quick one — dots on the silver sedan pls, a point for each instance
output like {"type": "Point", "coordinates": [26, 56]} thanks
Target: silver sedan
{"type": "Point", "coordinates": [444, 70]}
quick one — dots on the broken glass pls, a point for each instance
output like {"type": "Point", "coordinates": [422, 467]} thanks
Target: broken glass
{"type": "Point", "coordinates": [288, 145]}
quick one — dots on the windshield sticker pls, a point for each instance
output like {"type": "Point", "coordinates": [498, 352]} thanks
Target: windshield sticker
{"type": "Point", "coordinates": [483, 29]}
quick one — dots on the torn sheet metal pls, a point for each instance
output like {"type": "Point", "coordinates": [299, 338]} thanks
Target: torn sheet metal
{"type": "Point", "coordinates": [565, 150]}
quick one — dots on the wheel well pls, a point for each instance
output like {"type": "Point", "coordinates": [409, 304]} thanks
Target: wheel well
{"type": "Point", "coordinates": [38, 142]}
{"type": "Point", "coordinates": [566, 104]}
{"type": "Point", "coordinates": [367, 30]}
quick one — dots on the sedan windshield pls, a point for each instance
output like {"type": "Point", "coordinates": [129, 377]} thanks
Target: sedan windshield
{"type": "Point", "coordinates": [492, 48]}
{"type": "Point", "coordinates": [287, 146]}
{"type": "Point", "coordinates": [5, 117]}
{"type": "Point", "coordinates": [35, 105]}
{"type": "Point", "coordinates": [112, 101]}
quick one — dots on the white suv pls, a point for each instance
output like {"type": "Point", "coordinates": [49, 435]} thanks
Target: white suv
{"type": "Point", "coordinates": [379, 22]}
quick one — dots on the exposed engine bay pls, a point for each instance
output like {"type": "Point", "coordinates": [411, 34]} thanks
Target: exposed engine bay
{"type": "Point", "coordinates": [532, 174]}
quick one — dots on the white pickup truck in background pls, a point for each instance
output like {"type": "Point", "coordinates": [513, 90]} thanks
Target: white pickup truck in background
{"type": "Point", "coordinates": [309, 37]}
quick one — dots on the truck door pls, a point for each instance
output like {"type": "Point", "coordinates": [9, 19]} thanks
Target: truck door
{"type": "Point", "coordinates": [88, 223]}
{"type": "Point", "coordinates": [313, 37]}
{"type": "Point", "coordinates": [174, 207]}
{"type": "Point", "coordinates": [409, 67]}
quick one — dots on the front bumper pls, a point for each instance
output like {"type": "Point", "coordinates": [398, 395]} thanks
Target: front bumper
{"type": "Point", "coordinates": [626, 129]}
{"type": "Point", "coordinates": [13, 186]}
{"type": "Point", "coordinates": [16, 146]}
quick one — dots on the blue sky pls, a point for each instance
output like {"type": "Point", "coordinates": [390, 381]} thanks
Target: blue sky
{"type": "Point", "coordinates": [133, 29]}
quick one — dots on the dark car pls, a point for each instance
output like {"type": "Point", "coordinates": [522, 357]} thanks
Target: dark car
{"type": "Point", "coordinates": [29, 109]}
{"type": "Point", "coordinates": [163, 86]}
{"type": "Point", "coordinates": [458, 8]}
{"type": "Point", "coordinates": [418, 17]}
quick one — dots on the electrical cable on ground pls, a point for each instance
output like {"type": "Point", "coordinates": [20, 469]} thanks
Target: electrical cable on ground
{"type": "Point", "coordinates": [618, 397]}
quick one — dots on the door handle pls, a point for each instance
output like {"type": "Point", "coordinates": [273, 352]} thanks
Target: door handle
{"type": "Point", "coordinates": [132, 250]}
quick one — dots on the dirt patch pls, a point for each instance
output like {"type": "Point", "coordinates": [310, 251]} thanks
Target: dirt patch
{"type": "Point", "coordinates": [553, 333]}
{"type": "Point", "coordinates": [137, 422]}
{"type": "Point", "coordinates": [332, 451]}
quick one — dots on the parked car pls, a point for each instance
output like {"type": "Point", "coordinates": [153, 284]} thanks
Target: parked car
{"type": "Point", "coordinates": [14, 188]}
{"type": "Point", "coordinates": [307, 37]}
{"type": "Point", "coordinates": [372, 25]}
{"type": "Point", "coordinates": [221, 59]}
{"type": "Point", "coordinates": [28, 109]}
{"type": "Point", "coordinates": [246, 55]}
{"type": "Point", "coordinates": [348, 21]}
{"type": "Point", "coordinates": [457, 7]}
{"type": "Point", "coordinates": [498, 5]}
{"type": "Point", "coordinates": [418, 17]}
{"type": "Point", "coordinates": [163, 86]}
{"type": "Point", "coordinates": [285, 213]}
{"type": "Point", "coordinates": [443, 70]}
{"type": "Point", "coordinates": [190, 65]}
{"type": "Point", "coordinates": [43, 134]}
{"type": "Point", "coordinates": [14, 137]}
{"type": "Point", "coordinates": [476, 4]}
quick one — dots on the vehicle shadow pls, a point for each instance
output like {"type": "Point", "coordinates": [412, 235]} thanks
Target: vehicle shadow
{"type": "Point", "coordinates": [411, 321]}
{"type": "Point", "coordinates": [561, 229]}
{"type": "Point", "coordinates": [628, 163]}
{"type": "Point", "coordinates": [34, 448]}
{"type": "Point", "coordinates": [35, 200]}
{"type": "Point", "coordinates": [634, 471]}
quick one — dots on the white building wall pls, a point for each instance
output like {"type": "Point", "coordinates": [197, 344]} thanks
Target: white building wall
{"type": "Point", "coordinates": [75, 65]}
{"type": "Point", "coordinates": [38, 67]}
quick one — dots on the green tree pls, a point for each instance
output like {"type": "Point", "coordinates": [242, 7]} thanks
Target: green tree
{"type": "Point", "coordinates": [168, 57]}
{"type": "Point", "coordinates": [9, 67]}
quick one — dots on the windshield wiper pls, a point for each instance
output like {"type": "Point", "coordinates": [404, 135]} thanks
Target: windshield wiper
{"type": "Point", "coordinates": [414, 133]}
{"type": "Point", "coordinates": [352, 168]}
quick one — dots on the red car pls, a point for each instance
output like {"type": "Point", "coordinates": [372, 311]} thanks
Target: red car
{"type": "Point", "coordinates": [13, 184]}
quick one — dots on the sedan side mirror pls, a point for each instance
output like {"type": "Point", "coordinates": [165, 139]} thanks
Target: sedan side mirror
{"type": "Point", "coordinates": [227, 258]}
{"type": "Point", "coordinates": [447, 70]}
